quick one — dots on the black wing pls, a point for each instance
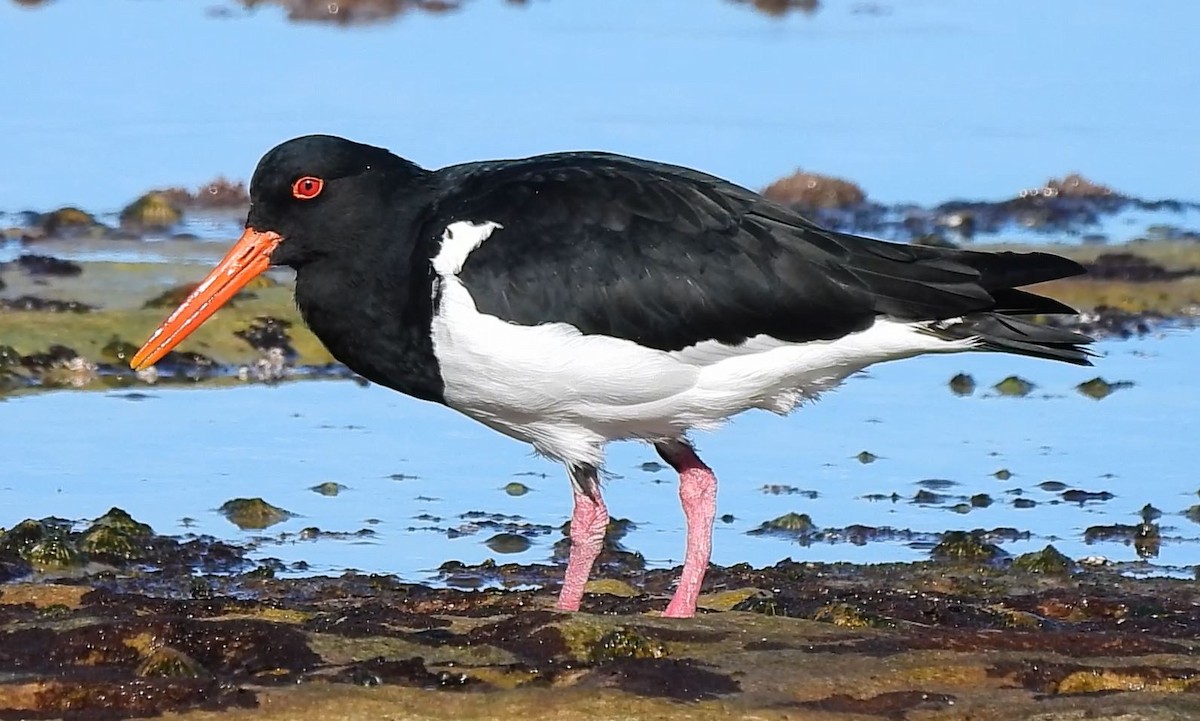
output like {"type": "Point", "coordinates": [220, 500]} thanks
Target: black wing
{"type": "Point", "coordinates": [669, 257]}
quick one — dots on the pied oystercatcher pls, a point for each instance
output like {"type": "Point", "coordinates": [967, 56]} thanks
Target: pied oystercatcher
{"type": "Point", "coordinates": [573, 299]}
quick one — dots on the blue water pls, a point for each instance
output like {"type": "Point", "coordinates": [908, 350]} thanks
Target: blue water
{"type": "Point", "coordinates": [929, 100]}
{"type": "Point", "coordinates": [183, 453]}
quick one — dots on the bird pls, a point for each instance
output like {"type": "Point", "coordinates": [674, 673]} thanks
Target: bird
{"type": "Point", "coordinates": [573, 299]}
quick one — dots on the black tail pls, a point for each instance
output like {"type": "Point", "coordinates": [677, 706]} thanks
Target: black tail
{"type": "Point", "coordinates": [1009, 334]}
{"type": "Point", "coordinates": [976, 294]}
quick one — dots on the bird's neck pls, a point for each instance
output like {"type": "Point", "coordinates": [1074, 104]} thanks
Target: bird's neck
{"type": "Point", "coordinates": [373, 308]}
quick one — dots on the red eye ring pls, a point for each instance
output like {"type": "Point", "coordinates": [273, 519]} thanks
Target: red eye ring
{"type": "Point", "coordinates": [307, 188]}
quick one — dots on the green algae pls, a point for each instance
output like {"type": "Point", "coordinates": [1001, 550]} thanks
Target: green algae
{"type": "Point", "coordinates": [253, 513]}
{"type": "Point", "coordinates": [1047, 560]}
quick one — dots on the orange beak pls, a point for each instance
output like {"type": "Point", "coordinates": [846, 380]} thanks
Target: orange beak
{"type": "Point", "coordinates": [249, 257]}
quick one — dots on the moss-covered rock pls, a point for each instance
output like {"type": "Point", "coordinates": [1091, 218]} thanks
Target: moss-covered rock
{"type": "Point", "coordinates": [117, 351]}
{"type": "Point", "coordinates": [962, 385]}
{"type": "Point", "coordinates": [67, 221]}
{"type": "Point", "coordinates": [253, 513]}
{"type": "Point", "coordinates": [516, 488]}
{"type": "Point", "coordinates": [152, 211]}
{"type": "Point", "coordinates": [788, 523]}
{"type": "Point", "coordinates": [964, 546]}
{"type": "Point", "coordinates": [1014, 387]}
{"type": "Point", "coordinates": [328, 488]}
{"type": "Point", "coordinates": [1047, 560]}
{"type": "Point", "coordinates": [844, 615]}
{"type": "Point", "coordinates": [1099, 389]}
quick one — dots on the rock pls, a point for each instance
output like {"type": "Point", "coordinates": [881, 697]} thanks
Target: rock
{"type": "Point", "coordinates": [788, 523]}
{"type": "Point", "coordinates": [1075, 185]}
{"type": "Point", "coordinates": [152, 211]}
{"type": "Point", "coordinates": [328, 488]}
{"type": "Point", "coordinates": [962, 385]}
{"type": "Point", "coordinates": [812, 191]}
{"type": "Point", "coordinates": [1099, 389]}
{"type": "Point", "coordinates": [219, 193]}
{"type": "Point", "coordinates": [67, 222]}
{"type": "Point", "coordinates": [45, 265]}
{"type": "Point", "coordinates": [964, 546]}
{"type": "Point", "coordinates": [1014, 386]}
{"type": "Point", "coordinates": [117, 351]}
{"type": "Point", "coordinates": [866, 457]}
{"type": "Point", "coordinates": [253, 513]}
{"type": "Point", "coordinates": [516, 489]}
{"type": "Point", "coordinates": [1047, 560]}
{"type": "Point", "coordinates": [508, 543]}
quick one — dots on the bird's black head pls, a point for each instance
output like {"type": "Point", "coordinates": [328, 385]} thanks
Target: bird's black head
{"type": "Point", "coordinates": [325, 195]}
{"type": "Point", "coordinates": [315, 198]}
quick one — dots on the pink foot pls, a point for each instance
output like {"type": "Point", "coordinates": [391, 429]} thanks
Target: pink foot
{"type": "Point", "coordinates": [698, 494]}
{"type": "Point", "coordinates": [588, 523]}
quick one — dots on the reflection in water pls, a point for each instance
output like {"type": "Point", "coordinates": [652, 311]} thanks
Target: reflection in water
{"type": "Point", "coordinates": [354, 12]}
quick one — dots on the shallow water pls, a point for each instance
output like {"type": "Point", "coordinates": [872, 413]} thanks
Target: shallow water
{"type": "Point", "coordinates": [181, 453]}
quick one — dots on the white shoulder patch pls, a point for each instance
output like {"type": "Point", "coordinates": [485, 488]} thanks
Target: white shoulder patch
{"type": "Point", "coordinates": [458, 240]}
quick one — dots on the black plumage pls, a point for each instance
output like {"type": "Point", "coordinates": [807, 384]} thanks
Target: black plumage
{"type": "Point", "coordinates": [670, 257]}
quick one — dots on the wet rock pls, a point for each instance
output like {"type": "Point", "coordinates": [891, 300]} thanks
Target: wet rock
{"type": "Point", "coordinates": [328, 488]}
{"type": "Point", "coordinates": [408, 672]}
{"type": "Point", "coordinates": [652, 467]}
{"type": "Point", "coordinates": [964, 546]}
{"type": "Point", "coordinates": [167, 662]}
{"type": "Point", "coordinates": [1048, 560]}
{"type": "Point", "coordinates": [118, 351]}
{"type": "Point", "coordinates": [808, 191]}
{"type": "Point", "coordinates": [1147, 540]}
{"type": "Point", "coordinates": [779, 8]}
{"type": "Point", "coordinates": [1002, 475]}
{"type": "Point", "coordinates": [1014, 386]}
{"type": "Point", "coordinates": [44, 544]}
{"type": "Point", "coordinates": [1075, 185]}
{"type": "Point", "coordinates": [183, 366]}
{"type": "Point", "coordinates": [253, 513]}
{"type": "Point", "coordinates": [1081, 497]}
{"type": "Point", "coordinates": [266, 333]}
{"type": "Point", "coordinates": [678, 679]}
{"type": "Point", "coordinates": [1052, 486]}
{"type": "Point", "coordinates": [962, 385]}
{"type": "Point", "coordinates": [779, 489]}
{"type": "Point", "coordinates": [887, 705]}
{"type": "Point", "coordinates": [1024, 503]}
{"type": "Point", "coordinates": [216, 194]}
{"type": "Point", "coordinates": [67, 222]}
{"type": "Point", "coordinates": [1098, 388]}
{"type": "Point", "coordinates": [928, 498]}
{"type": "Point", "coordinates": [787, 524]}
{"type": "Point", "coordinates": [866, 457]}
{"type": "Point", "coordinates": [47, 266]}
{"type": "Point", "coordinates": [980, 500]}
{"type": "Point", "coordinates": [508, 543]}
{"type": "Point", "coordinates": [32, 303]}
{"type": "Point", "coordinates": [152, 211]}
{"type": "Point", "coordinates": [116, 535]}
{"type": "Point", "coordinates": [1149, 513]}
{"type": "Point", "coordinates": [844, 615]}
{"type": "Point", "coordinates": [1133, 268]}
{"type": "Point", "coordinates": [516, 488]}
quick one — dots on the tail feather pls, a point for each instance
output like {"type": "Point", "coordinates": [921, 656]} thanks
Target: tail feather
{"type": "Point", "coordinates": [1010, 334]}
{"type": "Point", "coordinates": [963, 294]}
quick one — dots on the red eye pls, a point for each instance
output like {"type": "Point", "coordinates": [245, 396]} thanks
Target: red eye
{"type": "Point", "coordinates": [307, 187]}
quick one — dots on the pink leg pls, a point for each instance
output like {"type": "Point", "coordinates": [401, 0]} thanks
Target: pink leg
{"type": "Point", "coordinates": [588, 523]}
{"type": "Point", "coordinates": [698, 494]}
